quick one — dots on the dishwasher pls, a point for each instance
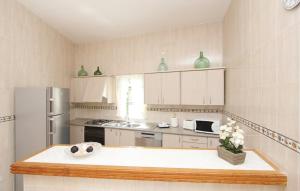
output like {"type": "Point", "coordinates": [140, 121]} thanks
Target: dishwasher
{"type": "Point", "coordinates": [148, 139]}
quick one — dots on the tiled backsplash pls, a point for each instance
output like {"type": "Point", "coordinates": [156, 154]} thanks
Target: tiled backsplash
{"type": "Point", "coordinates": [94, 106]}
{"type": "Point", "coordinates": [7, 118]}
{"type": "Point", "coordinates": [188, 109]}
{"type": "Point", "coordinates": [278, 137]}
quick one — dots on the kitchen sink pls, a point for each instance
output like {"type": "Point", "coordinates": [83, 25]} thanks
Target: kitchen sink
{"type": "Point", "coordinates": [131, 125]}
{"type": "Point", "coordinates": [122, 125]}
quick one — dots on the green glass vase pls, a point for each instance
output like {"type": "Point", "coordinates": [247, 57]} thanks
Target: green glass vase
{"type": "Point", "coordinates": [201, 62]}
{"type": "Point", "coordinates": [82, 71]}
{"type": "Point", "coordinates": [162, 66]}
{"type": "Point", "coordinates": [97, 72]}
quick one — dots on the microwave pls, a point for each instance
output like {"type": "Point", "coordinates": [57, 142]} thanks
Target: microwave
{"type": "Point", "coordinates": [207, 126]}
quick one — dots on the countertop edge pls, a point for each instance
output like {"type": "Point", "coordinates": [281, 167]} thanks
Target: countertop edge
{"type": "Point", "coordinates": [221, 176]}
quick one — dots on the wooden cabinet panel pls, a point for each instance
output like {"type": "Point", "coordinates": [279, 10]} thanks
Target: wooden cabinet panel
{"type": "Point", "coordinates": [127, 138]}
{"type": "Point", "coordinates": [193, 87]}
{"type": "Point", "coordinates": [78, 88]}
{"type": "Point", "coordinates": [194, 139]}
{"type": "Point", "coordinates": [215, 87]}
{"type": "Point", "coordinates": [152, 86]}
{"type": "Point", "coordinates": [194, 145]}
{"type": "Point", "coordinates": [202, 87]}
{"type": "Point", "coordinates": [112, 137]}
{"type": "Point", "coordinates": [171, 141]}
{"type": "Point", "coordinates": [171, 88]}
{"type": "Point", "coordinates": [93, 89]}
{"type": "Point", "coordinates": [213, 143]}
{"type": "Point", "coordinates": [76, 134]}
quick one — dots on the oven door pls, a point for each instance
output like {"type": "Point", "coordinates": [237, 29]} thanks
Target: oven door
{"type": "Point", "coordinates": [94, 134]}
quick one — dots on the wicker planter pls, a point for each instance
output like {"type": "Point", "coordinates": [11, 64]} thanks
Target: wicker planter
{"type": "Point", "coordinates": [230, 157]}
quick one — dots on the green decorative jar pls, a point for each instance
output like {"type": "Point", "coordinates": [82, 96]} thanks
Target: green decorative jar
{"type": "Point", "coordinates": [162, 66]}
{"type": "Point", "coordinates": [82, 71]}
{"type": "Point", "coordinates": [201, 62]}
{"type": "Point", "coordinates": [97, 72]}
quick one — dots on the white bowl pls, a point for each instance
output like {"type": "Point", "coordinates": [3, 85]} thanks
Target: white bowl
{"type": "Point", "coordinates": [82, 149]}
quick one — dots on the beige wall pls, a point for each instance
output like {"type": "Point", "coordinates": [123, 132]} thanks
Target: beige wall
{"type": "Point", "coordinates": [142, 53]}
{"type": "Point", "coordinates": [31, 54]}
{"type": "Point", "coordinates": [261, 56]}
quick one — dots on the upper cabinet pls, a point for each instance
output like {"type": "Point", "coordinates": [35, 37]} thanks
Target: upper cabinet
{"type": "Point", "coordinates": [162, 88]}
{"type": "Point", "coordinates": [93, 89]}
{"type": "Point", "coordinates": [203, 87]}
{"type": "Point", "coordinates": [195, 87]}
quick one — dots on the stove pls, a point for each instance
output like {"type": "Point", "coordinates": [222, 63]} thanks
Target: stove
{"type": "Point", "coordinates": [98, 121]}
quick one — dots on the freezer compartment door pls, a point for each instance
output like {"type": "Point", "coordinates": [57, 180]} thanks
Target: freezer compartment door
{"type": "Point", "coordinates": [57, 101]}
{"type": "Point", "coordinates": [58, 129]}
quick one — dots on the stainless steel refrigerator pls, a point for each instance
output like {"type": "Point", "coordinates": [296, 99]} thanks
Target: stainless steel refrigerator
{"type": "Point", "coordinates": [42, 119]}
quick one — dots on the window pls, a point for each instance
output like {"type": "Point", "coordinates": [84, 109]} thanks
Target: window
{"type": "Point", "coordinates": [130, 96]}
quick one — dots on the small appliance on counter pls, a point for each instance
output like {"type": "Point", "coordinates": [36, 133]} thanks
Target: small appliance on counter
{"type": "Point", "coordinates": [174, 121]}
{"type": "Point", "coordinates": [207, 126]}
{"type": "Point", "coordinates": [188, 124]}
{"type": "Point", "coordinates": [163, 125]}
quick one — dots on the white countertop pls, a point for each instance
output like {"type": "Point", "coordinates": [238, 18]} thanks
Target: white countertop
{"type": "Point", "coordinates": [151, 157]}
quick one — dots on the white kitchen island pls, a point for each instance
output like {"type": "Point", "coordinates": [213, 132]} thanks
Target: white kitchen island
{"type": "Point", "coordinates": [138, 168]}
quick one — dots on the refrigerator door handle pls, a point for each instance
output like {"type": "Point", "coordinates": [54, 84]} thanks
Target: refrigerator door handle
{"type": "Point", "coordinates": [52, 128]}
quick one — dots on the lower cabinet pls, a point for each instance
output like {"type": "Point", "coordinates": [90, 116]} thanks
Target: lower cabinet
{"type": "Point", "coordinates": [118, 137]}
{"type": "Point", "coordinates": [213, 143]}
{"type": "Point", "coordinates": [171, 141]}
{"type": "Point", "coordinates": [76, 134]}
{"type": "Point", "coordinates": [182, 141]}
{"type": "Point", "coordinates": [111, 137]}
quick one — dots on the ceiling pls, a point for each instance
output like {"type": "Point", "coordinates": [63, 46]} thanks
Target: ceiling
{"type": "Point", "coordinates": [86, 21]}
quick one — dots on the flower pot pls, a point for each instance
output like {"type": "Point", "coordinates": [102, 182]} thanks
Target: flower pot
{"type": "Point", "coordinates": [230, 157]}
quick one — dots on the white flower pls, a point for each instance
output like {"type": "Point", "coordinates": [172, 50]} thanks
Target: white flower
{"type": "Point", "coordinates": [228, 129]}
{"type": "Point", "coordinates": [224, 135]}
{"type": "Point", "coordinates": [223, 127]}
{"type": "Point", "coordinates": [240, 131]}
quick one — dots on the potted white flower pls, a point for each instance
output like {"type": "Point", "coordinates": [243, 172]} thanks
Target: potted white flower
{"type": "Point", "coordinates": [232, 142]}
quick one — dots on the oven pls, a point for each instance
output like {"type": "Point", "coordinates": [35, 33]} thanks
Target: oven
{"type": "Point", "coordinates": [94, 134]}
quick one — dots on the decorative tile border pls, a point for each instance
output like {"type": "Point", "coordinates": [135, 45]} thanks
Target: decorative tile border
{"type": "Point", "coordinates": [95, 106]}
{"type": "Point", "coordinates": [189, 109]}
{"type": "Point", "coordinates": [7, 118]}
{"type": "Point", "coordinates": [278, 137]}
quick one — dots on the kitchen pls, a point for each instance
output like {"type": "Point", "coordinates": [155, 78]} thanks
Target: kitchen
{"type": "Point", "coordinates": [186, 68]}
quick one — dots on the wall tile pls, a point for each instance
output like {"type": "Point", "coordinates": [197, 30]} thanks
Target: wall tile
{"type": "Point", "coordinates": [261, 43]}
{"type": "Point", "coordinates": [32, 54]}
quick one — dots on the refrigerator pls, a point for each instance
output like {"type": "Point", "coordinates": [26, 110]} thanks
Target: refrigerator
{"type": "Point", "coordinates": [42, 119]}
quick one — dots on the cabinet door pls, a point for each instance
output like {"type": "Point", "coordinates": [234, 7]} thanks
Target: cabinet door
{"type": "Point", "coordinates": [215, 87]}
{"type": "Point", "coordinates": [76, 134]}
{"type": "Point", "coordinates": [189, 145]}
{"type": "Point", "coordinates": [94, 89]}
{"type": "Point", "coordinates": [213, 143]}
{"type": "Point", "coordinates": [112, 137]}
{"type": "Point", "coordinates": [193, 87]}
{"type": "Point", "coordinates": [171, 141]}
{"type": "Point", "coordinates": [170, 88]}
{"type": "Point", "coordinates": [78, 88]}
{"type": "Point", "coordinates": [127, 138]}
{"type": "Point", "coordinates": [152, 86]}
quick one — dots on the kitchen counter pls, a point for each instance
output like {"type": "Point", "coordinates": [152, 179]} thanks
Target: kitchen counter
{"type": "Point", "coordinates": [126, 168]}
{"type": "Point", "coordinates": [150, 127]}
{"type": "Point", "coordinates": [135, 163]}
